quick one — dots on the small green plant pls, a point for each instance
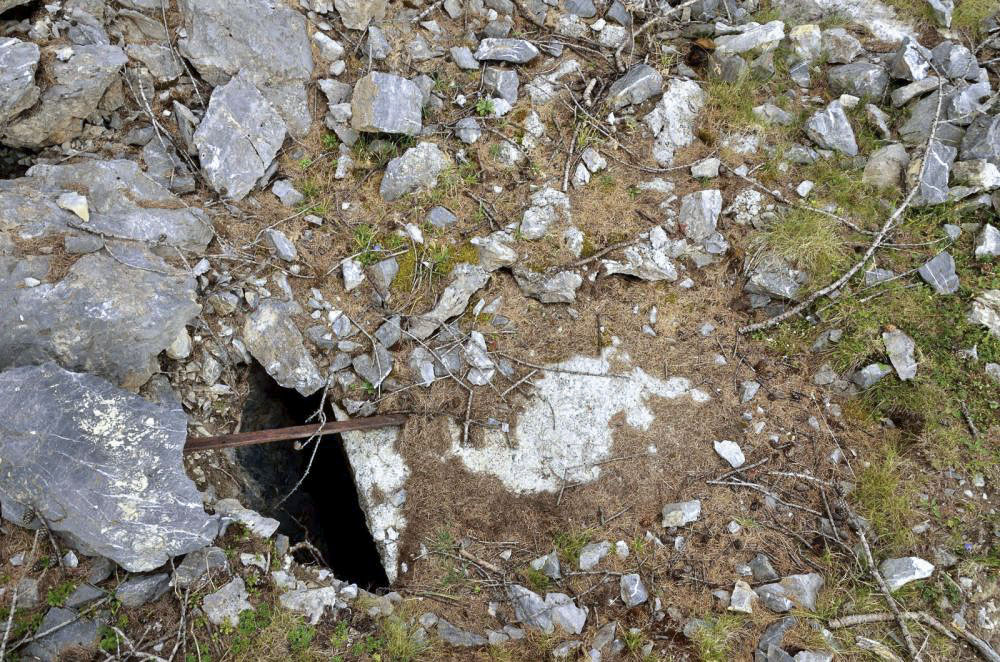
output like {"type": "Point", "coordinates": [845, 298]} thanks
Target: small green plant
{"type": "Point", "coordinates": [300, 636]}
{"type": "Point", "coordinates": [340, 635]}
{"type": "Point", "coordinates": [713, 640]}
{"type": "Point", "coordinates": [330, 141]}
{"type": "Point", "coordinates": [484, 107]}
{"type": "Point", "coordinates": [57, 595]}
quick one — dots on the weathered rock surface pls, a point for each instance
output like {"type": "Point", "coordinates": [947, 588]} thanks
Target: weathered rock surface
{"type": "Point", "coordinates": [986, 311]}
{"type": "Point", "coordinates": [239, 137]}
{"type": "Point", "coordinates": [18, 62]}
{"type": "Point", "coordinates": [467, 280]}
{"type": "Point", "coordinates": [119, 489]}
{"type": "Point", "coordinates": [672, 120]}
{"type": "Point", "coordinates": [900, 572]}
{"type": "Point", "coordinates": [69, 639]}
{"type": "Point", "coordinates": [679, 514]}
{"type": "Point", "coordinates": [516, 51]}
{"type": "Point", "coordinates": [639, 83]}
{"type": "Point", "coordinates": [360, 14]}
{"type": "Point", "coordinates": [224, 606]}
{"type": "Point", "coordinates": [886, 166]}
{"type": "Point", "coordinates": [147, 310]}
{"type": "Point", "coordinates": [830, 129]}
{"type": "Point", "coordinates": [900, 348]}
{"type": "Point", "coordinates": [312, 602]}
{"type": "Point", "coordinates": [860, 79]}
{"type": "Point", "coordinates": [754, 37]}
{"type": "Point", "coordinates": [559, 287]}
{"type": "Point", "coordinates": [266, 40]}
{"type": "Point", "coordinates": [77, 87]}
{"type": "Point", "coordinates": [939, 273]}
{"type": "Point", "coordinates": [274, 340]}
{"type": "Point", "coordinates": [417, 169]}
{"type": "Point", "coordinates": [141, 589]}
{"type": "Point", "coordinates": [792, 591]}
{"type": "Point", "coordinates": [386, 103]}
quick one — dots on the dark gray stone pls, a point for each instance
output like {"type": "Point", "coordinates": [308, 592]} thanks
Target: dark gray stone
{"type": "Point", "coordinates": [266, 40]}
{"type": "Point", "coordinates": [274, 340]}
{"type": "Point", "coordinates": [84, 595]}
{"type": "Point", "coordinates": [640, 83]}
{"type": "Point", "coordinates": [417, 169]}
{"type": "Point", "coordinates": [441, 217]}
{"type": "Point", "coordinates": [83, 633]}
{"type": "Point", "coordinates": [198, 564]}
{"type": "Point", "coordinates": [137, 591]}
{"type": "Point", "coordinates": [619, 14]}
{"type": "Point", "coordinates": [119, 489]}
{"type": "Point", "coordinates": [830, 129]}
{"type": "Point", "coordinates": [932, 189]}
{"type": "Point", "coordinates": [859, 78]}
{"type": "Point", "coordinates": [457, 637]}
{"type": "Point", "coordinates": [502, 82]}
{"type": "Point", "coordinates": [238, 138]}
{"type": "Point", "coordinates": [939, 273]}
{"type": "Point", "coordinates": [982, 140]}
{"type": "Point", "coordinates": [762, 569]}
{"type": "Point", "coordinates": [581, 8]}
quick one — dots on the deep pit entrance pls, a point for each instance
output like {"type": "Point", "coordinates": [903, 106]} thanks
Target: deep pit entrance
{"type": "Point", "coordinates": [325, 510]}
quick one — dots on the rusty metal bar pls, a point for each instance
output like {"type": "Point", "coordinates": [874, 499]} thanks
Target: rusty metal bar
{"type": "Point", "coordinates": [287, 434]}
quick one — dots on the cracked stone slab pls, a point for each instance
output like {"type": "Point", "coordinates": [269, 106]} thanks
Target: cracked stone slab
{"type": "Point", "coordinates": [267, 39]}
{"type": "Point", "coordinates": [238, 138]}
{"type": "Point", "coordinates": [900, 348]}
{"type": "Point", "coordinates": [274, 340]}
{"type": "Point", "coordinates": [562, 431]}
{"type": "Point", "coordinates": [467, 280]}
{"type": "Point", "coordinates": [119, 488]}
{"type": "Point", "coordinates": [140, 317]}
{"type": "Point", "coordinates": [18, 63]}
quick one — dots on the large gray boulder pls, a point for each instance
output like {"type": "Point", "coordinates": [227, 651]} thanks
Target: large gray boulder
{"type": "Point", "coordinates": [268, 40]}
{"type": "Point", "coordinates": [74, 634]}
{"type": "Point", "coordinates": [274, 340]}
{"type": "Point", "coordinates": [109, 316]}
{"type": "Point", "coordinates": [77, 87]}
{"type": "Point", "coordinates": [830, 129]}
{"type": "Point", "coordinates": [639, 83]}
{"type": "Point", "coordinates": [386, 103]}
{"type": "Point", "coordinates": [18, 62]}
{"type": "Point", "coordinates": [860, 79]}
{"type": "Point", "coordinates": [239, 137]}
{"type": "Point", "coordinates": [102, 466]}
{"type": "Point", "coordinates": [416, 170]}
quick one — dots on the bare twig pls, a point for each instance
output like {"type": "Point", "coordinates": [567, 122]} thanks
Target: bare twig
{"type": "Point", "coordinates": [884, 617]}
{"type": "Point", "coordinates": [907, 637]}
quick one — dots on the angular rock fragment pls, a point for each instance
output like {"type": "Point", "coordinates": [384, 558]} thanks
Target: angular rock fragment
{"type": "Point", "coordinates": [886, 166]}
{"type": "Point", "coordinates": [548, 206]}
{"type": "Point", "coordinates": [386, 103]}
{"type": "Point", "coordinates": [911, 61]}
{"type": "Point", "coordinates": [792, 591]}
{"type": "Point", "coordinates": [529, 608]}
{"type": "Point", "coordinates": [932, 181]}
{"type": "Point", "coordinates": [224, 606]}
{"type": "Point", "coordinates": [119, 490]}
{"type": "Point", "coordinates": [639, 83]}
{"type": "Point", "coordinates": [467, 280]}
{"type": "Point", "coordinates": [939, 273]}
{"type": "Point", "coordinates": [69, 634]}
{"type": "Point", "coordinates": [672, 120]}
{"type": "Point", "coordinates": [988, 243]}
{"type": "Point", "coordinates": [900, 572]}
{"type": "Point", "coordinates": [197, 564]}
{"type": "Point", "coordinates": [274, 340]}
{"type": "Point", "coordinates": [496, 250]}
{"type": "Point", "coordinates": [982, 140]}
{"type": "Point", "coordinates": [700, 213]}
{"type": "Point", "coordinates": [139, 590]}
{"type": "Point", "coordinates": [742, 598]}
{"type": "Point", "coordinates": [238, 138]}
{"type": "Point", "coordinates": [900, 348]}
{"type": "Point", "coordinates": [871, 375]}
{"type": "Point", "coordinates": [986, 311]}
{"type": "Point", "coordinates": [559, 287]}
{"type": "Point", "coordinates": [266, 40]}
{"type": "Point", "coordinates": [840, 46]}
{"type": "Point", "coordinates": [77, 87]}
{"type": "Point", "coordinates": [771, 275]}
{"type": "Point", "coordinates": [458, 637]}
{"type": "Point", "coordinates": [753, 37]}
{"type": "Point", "coordinates": [417, 169]}
{"type": "Point", "coordinates": [312, 602]}
{"type": "Point", "coordinates": [830, 129]}
{"type": "Point", "coordinates": [360, 14]}
{"type": "Point", "coordinates": [18, 62]}
{"type": "Point", "coordinates": [517, 51]}
{"type": "Point", "coordinates": [593, 553]}
{"type": "Point", "coordinates": [679, 514]}
{"type": "Point", "coordinates": [860, 79]}
{"type": "Point", "coordinates": [731, 452]}
{"type": "Point", "coordinates": [644, 261]}
{"type": "Point", "coordinates": [633, 591]}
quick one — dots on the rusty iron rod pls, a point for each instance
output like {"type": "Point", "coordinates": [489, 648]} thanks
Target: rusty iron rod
{"type": "Point", "coordinates": [288, 434]}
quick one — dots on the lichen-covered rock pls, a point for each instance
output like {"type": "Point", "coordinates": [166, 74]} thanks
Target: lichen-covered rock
{"type": "Point", "coordinates": [672, 120]}
{"type": "Point", "coordinates": [119, 488]}
{"type": "Point", "coordinates": [239, 137]}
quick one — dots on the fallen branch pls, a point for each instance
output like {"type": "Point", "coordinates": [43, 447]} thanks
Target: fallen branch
{"type": "Point", "coordinates": [885, 617]}
{"type": "Point", "coordinates": [647, 25]}
{"type": "Point", "coordinates": [880, 238]}
{"type": "Point", "coordinates": [897, 615]}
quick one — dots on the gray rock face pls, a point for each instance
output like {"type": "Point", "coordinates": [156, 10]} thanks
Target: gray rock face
{"type": "Point", "coordinates": [560, 287]}
{"type": "Point", "coordinates": [988, 243]}
{"type": "Point", "coordinates": [593, 554]}
{"type": "Point", "coordinates": [939, 273]}
{"type": "Point", "coordinates": [467, 280]}
{"type": "Point", "coordinates": [417, 169]}
{"type": "Point", "coordinates": [548, 565]}
{"type": "Point", "coordinates": [886, 166]}
{"type": "Point", "coordinates": [646, 261]}
{"type": "Point", "coordinates": [161, 62]}
{"type": "Point", "coordinates": [771, 114]}
{"type": "Point", "coordinates": [76, 90]}
{"type": "Point", "coordinates": [274, 340]}
{"type": "Point", "coordinates": [942, 10]}
{"type": "Point", "coordinates": [794, 590]}
{"type": "Point", "coordinates": [458, 637]}
{"type": "Point", "coordinates": [754, 37]}
{"type": "Point", "coordinates": [502, 82]}
{"type": "Point", "coordinates": [517, 51]}
{"type": "Point", "coordinates": [565, 614]}
{"type": "Point", "coordinates": [955, 61]}
{"type": "Point", "coordinates": [633, 591]}
{"type": "Point", "coordinates": [140, 317]}
{"type": "Point", "coordinates": [900, 572]}
{"type": "Point", "coordinates": [267, 40]}
{"type": "Point", "coordinates": [119, 489]}
{"type": "Point", "coordinates": [900, 348]}
{"type": "Point", "coordinates": [772, 276]}
{"type": "Point", "coordinates": [359, 14]}
{"type": "Point", "coordinates": [239, 137]}
{"type": "Point", "coordinates": [933, 185]}
{"type": "Point", "coordinates": [548, 206]}
{"type": "Point", "coordinates": [68, 639]}
{"type": "Point", "coordinates": [672, 120]}
{"type": "Point", "coordinates": [137, 591]}
{"type": "Point", "coordinates": [986, 311]}
{"type": "Point", "coordinates": [496, 250]}
{"type": "Point", "coordinates": [197, 564]}
{"type": "Point", "coordinates": [224, 606]}
{"type": "Point", "coordinates": [830, 129]}
{"type": "Point", "coordinates": [311, 602]}
{"type": "Point", "coordinates": [529, 608]}
{"type": "Point", "coordinates": [871, 375]}
{"type": "Point", "coordinates": [860, 79]}
{"type": "Point", "coordinates": [700, 213]}
{"type": "Point", "coordinates": [386, 103]}
{"type": "Point", "coordinates": [762, 569]}
{"type": "Point", "coordinates": [841, 46]}
{"type": "Point", "coordinates": [911, 61]}
{"type": "Point", "coordinates": [982, 140]}
{"type": "Point", "coordinates": [679, 514]}
{"type": "Point", "coordinates": [18, 62]}
{"type": "Point", "coordinates": [639, 83]}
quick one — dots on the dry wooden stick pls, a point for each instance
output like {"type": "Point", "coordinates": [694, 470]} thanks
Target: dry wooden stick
{"type": "Point", "coordinates": [879, 240]}
{"type": "Point", "coordinates": [907, 637]}
{"type": "Point", "coordinates": [884, 617]}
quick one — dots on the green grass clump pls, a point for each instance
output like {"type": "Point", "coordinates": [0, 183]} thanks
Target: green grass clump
{"type": "Point", "coordinates": [885, 498]}
{"type": "Point", "coordinates": [713, 642]}
{"type": "Point", "coordinates": [810, 241]}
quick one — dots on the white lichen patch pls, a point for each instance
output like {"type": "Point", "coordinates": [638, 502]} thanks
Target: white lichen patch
{"type": "Point", "coordinates": [563, 432]}
{"type": "Point", "coordinates": [380, 473]}
{"type": "Point", "coordinates": [878, 18]}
